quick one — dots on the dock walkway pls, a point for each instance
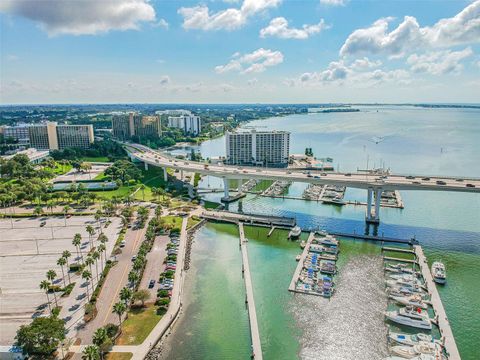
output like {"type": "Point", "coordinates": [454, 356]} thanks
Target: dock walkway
{"type": "Point", "coordinates": [374, 238]}
{"type": "Point", "coordinates": [296, 274]}
{"type": "Point", "coordinates": [252, 314]}
{"type": "Point", "coordinates": [443, 323]}
{"type": "Point", "coordinates": [386, 248]}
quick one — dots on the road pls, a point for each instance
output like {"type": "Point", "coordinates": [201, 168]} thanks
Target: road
{"type": "Point", "coordinates": [353, 180]}
{"type": "Point", "coordinates": [155, 265]}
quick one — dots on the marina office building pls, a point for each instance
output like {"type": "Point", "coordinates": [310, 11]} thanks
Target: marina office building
{"type": "Point", "coordinates": [258, 148]}
{"type": "Point", "coordinates": [127, 125]}
{"type": "Point", "coordinates": [189, 123]}
{"type": "Point", "coordinates": [50, 135]}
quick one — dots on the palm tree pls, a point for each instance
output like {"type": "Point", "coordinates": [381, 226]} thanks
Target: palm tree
{"type": "Point", "coordinates": [102, 238]}
{"type": "Point", "coordinates": [66, 209]}
{"type": "Point", "coordinates": [51, 275]}
{"type": "Point", "coordinates": [119, 308]}
{"type": "Point", "coordinates": [45, 285]}
{"type": "Point", "coordinates": [62, 262]}
{"type": "Point", "coordinates": [102, 249]}
{"type": "Point", "coordinates": [91, 352]}
{"type": "Point", "coordinates": [133, 277]}
{"type": "Point", "coordinates": [77, 241]}
{"type": "Point", "coordinates": [90, 231]}
{"type": "Point", "coordinates": [98, 217]}
{"type": "Point", "coordinates": [87, 275]}
{"type": "Point", "coordinates": [126, 295]}
{"type": "Point", "coordinates": [38, 210]}
{"type": "Point", "coordinates": [142, 189]}
{"type": "Point", "coordinates": [95, 256]}
{"type": "Point", "coordinates": [89, 261]}
{"type": "Point", "coordinates": [66, 254]}
{"type": "Point", "coordinates": [99, 338]}
{"type": "Point", "coordinates": [50, 205]}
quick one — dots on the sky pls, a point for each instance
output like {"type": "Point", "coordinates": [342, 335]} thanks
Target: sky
{"type": "Point", "coordinates": [239, 51]}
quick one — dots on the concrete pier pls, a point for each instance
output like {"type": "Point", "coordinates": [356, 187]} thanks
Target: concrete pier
{"type": "Point", "coordinates": [443, 323]}
{"type": "Point", "coordinates": [252, 314]}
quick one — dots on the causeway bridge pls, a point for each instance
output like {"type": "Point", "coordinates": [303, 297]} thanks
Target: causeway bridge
{"type": "Point", "coordinates": [374, 184]}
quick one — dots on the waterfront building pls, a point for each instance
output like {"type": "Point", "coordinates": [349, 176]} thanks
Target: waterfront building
{"type": "Point", "coordinates": [189, 123]}
{"type": "Point", "coordinates": [51, 136]}
{"type": "Point", "coordinates": [127, 125]}
{"type": "Point", "coordinates": [258, 148]}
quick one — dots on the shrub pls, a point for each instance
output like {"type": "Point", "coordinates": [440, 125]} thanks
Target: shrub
{"type": "Point", "coordinates": [112, 330]}
{"type": "Point", "coordinates": [162, 301]}
{"type": "Point", "coordinates": [162, 293]}
{"type": "Point", "coordinates": [68, 289]}
{"type": "Point", "coordinates": [75, 267]}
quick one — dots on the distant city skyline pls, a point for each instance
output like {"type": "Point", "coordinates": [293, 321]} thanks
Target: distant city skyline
{"type": "Point", "coordinates": [239, 51]}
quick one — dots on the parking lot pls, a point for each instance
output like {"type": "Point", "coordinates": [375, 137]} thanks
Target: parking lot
{"type": "Point", "coordinates": [27, 252]}
{"type": "Point", "coordinates": [74, 175]}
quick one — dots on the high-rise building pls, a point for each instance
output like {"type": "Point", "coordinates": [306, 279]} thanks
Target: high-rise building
{"type": "Point", "coordinates": [18, 133]}
{"type": "Point", "coordinates": [51, 136]}
{"type": "Point", "coordinates": [190, 124]}
{"type": "Point", "coordinates": [258, 148]}
{"type": "Point", "coordinates": [125, 126]}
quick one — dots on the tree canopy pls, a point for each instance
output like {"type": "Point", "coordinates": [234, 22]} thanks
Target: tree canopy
{"type": "Point", "coordinates": [42, 337]}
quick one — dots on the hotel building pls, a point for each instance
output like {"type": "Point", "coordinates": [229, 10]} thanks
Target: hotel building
{"type": "Point", "coordinates": [51, 136]}
{"type": "Point", "coordinates": [190, 124]}
{"type": "Point", "coordinates": [258, 148]}
{"type": "Point", "coordinates": [126, 126]}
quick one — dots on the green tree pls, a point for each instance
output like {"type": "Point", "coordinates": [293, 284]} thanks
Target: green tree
{"type": "Point", "coordinates": [142, 189]}
{"type": "Point", "coordinates": [142, 296]}
{"type": "Point", "coordinates": [89, 261]}
{"type": "Point", "coordinates": [119, 308]}
{"type": "Point", "coordinates": [133, 277]}
{"type": "Point", "coordinates": [66, 254]}
{"type": "Point", "coordinates": [51, 275]}
{"type": "Point", "coordinates": [38, 210]}
{"type": "Point", "coordinates": [87, 275]}
{"type": "Point", "coordinates": [90, 231]}
{"type": "Point", "coordinates": [62, 262]}
{"type": "Point", "coordinates": [77, 241]}
{"type": "Point", "coordinates": [91, 352]}
{"type": "Point", "coordinates": [45, 286]}
{"type": "Point", "coordinates": [42, 337]}
{"type": "Point", "coordinates": [102, 250]}
{"type": "Point", "coordinates": [95, 256]}
{"type": "Point", "coordinates": [98, 217]}
{"type": "Point", "coordinates": [125, 295]}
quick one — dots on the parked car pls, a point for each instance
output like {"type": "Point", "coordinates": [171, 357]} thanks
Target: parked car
{"type": "Point", "coordinates": [134, 257]}
{"type": "Point", "coordinates": [123, 243]}
{"type": "Point", "coordinates": [348, 174]}
{"type": "Point", "coordinates": [43, 223]}
{"type": "Point", "coordinates": [151, 284]}
{"type": "Point", "coordinates": [426, 179]}
{"type": "Point", "coordinates": [459, 180]}
{"type": "Point", "coordinates": [410, 177]}
{"type": "Point", "coordinates": [470, 185]}
{"type": "Point", "coordinates": [441, 182]}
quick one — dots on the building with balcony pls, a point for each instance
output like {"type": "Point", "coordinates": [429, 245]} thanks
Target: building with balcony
{"type": "Point", "coordinates": [127, 125]}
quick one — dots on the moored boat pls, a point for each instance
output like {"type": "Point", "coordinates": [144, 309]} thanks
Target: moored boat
{"type": "Point", "coordinates": [410, 352]}
{"type": "Point", "coordinates": [295, 232]}
{"type": "Point", "coordinates": [412, 300]}
{"type": "Point", "coordinates": [408, 316]}
{"type": "Point", "coordinates": [438, 272]}
{"type": "Point", "coordinates": [407, 339]}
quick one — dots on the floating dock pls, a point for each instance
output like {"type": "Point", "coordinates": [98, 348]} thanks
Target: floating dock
{"type": "Point", "coordinates": [374, 238]}
{"type": "Point", "coordinates": [296, 274]}
{"type": "Point", "coordinates": [385, 248]}
{"type": "Point", "coordinates": [253, 219]}
{"type": "Point", "coordinates": [252, 314]}
{"type": "Point", "coordinates": [443, 323]}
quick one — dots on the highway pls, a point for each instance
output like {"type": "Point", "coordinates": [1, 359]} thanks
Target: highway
{"type": "Point", "coordinates": [353, 180]}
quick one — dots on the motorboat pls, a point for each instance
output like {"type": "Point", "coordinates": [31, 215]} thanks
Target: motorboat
{"type": "Point", "coordinates": [404, 283]}
{"type": "Point", "coordinates": [409, 316]}
{"type": "Point", "coordinates": [295, 232]}
{"type": "Point", "coordinates": [438, 272]}
{"type": "Point", "coordinates": [302, 244]}
{"type": "Point", "coordinates": [412, 300]}
{"type": "Point", "coordinates": [298, 257]}
{"type": "Point", "coordinates": [404, 290]}
{"type": "Point", "coordinates": [410, 352]}
{"type": "Point", "coordinates": [420, 357]}
{"type": "Point", "coordinates": [410, 340]}
{"type": "Point", "coordinates": [327, 240]}
{"type": "Point", "coordinates": [407, 277]}
{"type": "Point", "coordinates": [328, 267]}
{"type": "Point", "coordinates": [399, 268]}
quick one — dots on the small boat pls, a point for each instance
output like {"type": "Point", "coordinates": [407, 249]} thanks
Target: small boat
{"type": "Point", "coordinates": [411, 340]}
{"type": "Point", "coordinates": [410, 352]}
{"type": "Point", "coordinates": [420, 357]}
{"type": "Point", "coordinates": [400, 290]}
{"type": "Point", "coordinates": [327, 240]}
{"type": "Point", "coordinates": [438, 272]}
{"type": "Point", "coordinates": [303, 244]}
{"type": "Point", "coordinates": [399, 268]}
{"type": "Point", "coordinates": [412, 300]}
{"type": "Point", "coordinates": [407, 277]}
{"type": "Point", "coordinates": [410, 316]}
{"type": "Point", "coordinates": [328, 267]}
{"type": "Point", "coordinates": [404, 283]}
{"type": "Point", "coordinates": [295, 232]}
{"type": "Point", "coordinates": [298, 257]}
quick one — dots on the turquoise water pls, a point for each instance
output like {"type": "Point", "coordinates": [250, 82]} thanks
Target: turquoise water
{"type": "Point", "coordinates": [421, 141]}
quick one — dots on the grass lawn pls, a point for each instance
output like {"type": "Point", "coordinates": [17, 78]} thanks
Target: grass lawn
{"type": "Point", "coordinates": [138, 325]}
{"type": "Point", "coordinates": [192, 221]}
{"type": "Point", "coordinates": [174, 221]}
{"type": "Point", "coordinates": [210, 204]}
{"type": "Point", "coordinates": [60, 169]}
{"type": "Point", "coordinates": [122, 191]}
{"type": "Point", "coordinates": [95, 159]}
{"type": "Point", "coordinates": [118, 356]}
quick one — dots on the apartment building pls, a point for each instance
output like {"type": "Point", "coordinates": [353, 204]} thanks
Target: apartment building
{"type": "Point", "coordinates": [189, 123]}
{"type": "Point", "coordinates": [127, 125]}
{"type": "Point", "coordinates": [51, 136]}
{"type": "Point", "coordinates": [258, 148]}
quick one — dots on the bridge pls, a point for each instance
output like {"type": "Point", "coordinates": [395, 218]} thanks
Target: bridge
{"type": "Point", "coordinates": [373, 183]}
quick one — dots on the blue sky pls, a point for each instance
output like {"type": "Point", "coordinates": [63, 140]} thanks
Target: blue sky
{"type": "Point", "coordinates": [235, 51]}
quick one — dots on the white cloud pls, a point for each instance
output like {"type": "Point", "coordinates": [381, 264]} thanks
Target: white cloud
{"type": "Point", "coordinates": [333, 2]}
{"type": "Point", "coordinates": [365, 63]}
{"type": "Point", "coordinates": [82, 17]}
{"type": "Point", "coordinates": [463, 28]}
{"type": "Point", "coordinates": [162, 23]}
{"type": "Point", "coordinates": [12, 57]}
{"type": "Point", "coordinates": [254, 62]}
{"type": "Point", "coordinates": [278, 27]}
{"type": "Point", "coordinates": [440, 62]}
{"type": "Point", "coordinates": [252, 82]}
{"type": "Point", "coordinates": [199, 17]}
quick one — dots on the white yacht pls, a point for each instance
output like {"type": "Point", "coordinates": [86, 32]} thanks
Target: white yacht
{"type": "Point", "coordinates": [409, 316]}
{"type": "Point", "coordinates": [412, 300]}
{"type": "Point", "coordinates": [406, 339]}
{"type": "Point", "coordinates": [410, 352]}
{"type": "Point", "coordinates": [420, 357]}
{"type": "Point", "coordinates": [438, 272]}
{"type": "Point", "coordinates": [295, 232]}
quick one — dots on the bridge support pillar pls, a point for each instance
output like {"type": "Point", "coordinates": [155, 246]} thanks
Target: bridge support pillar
{"type": "Point", "coordinates": [165, 175]}
{"type": "Point", "coordinates": [373, 217]}
{"type": "Point", "coordinates": [226, 194]}
{"type": "Point", "coordinates": [181, 175]}
{"type": "Point", "coordinates": [146, 166]}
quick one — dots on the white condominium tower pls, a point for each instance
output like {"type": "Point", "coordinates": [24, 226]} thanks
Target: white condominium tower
{"type": "Point", "coordinates": [190, 124]}
{"type": "Point", "coordinates": [258, 148]}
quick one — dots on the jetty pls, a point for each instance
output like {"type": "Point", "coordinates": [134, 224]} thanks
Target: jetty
{"type": "Point", "coordinates": [374, 238]}
{"type": "Point", "coordinates": [252, 314]}
{"type": "Point", "coordinates": [442, 320]}
{"type": "Point", "coordinates": [251, 219]}
{"type": "Point", "coordinates": [296, 274]}
{"type": "Point", "coordinates": [395, 249]}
